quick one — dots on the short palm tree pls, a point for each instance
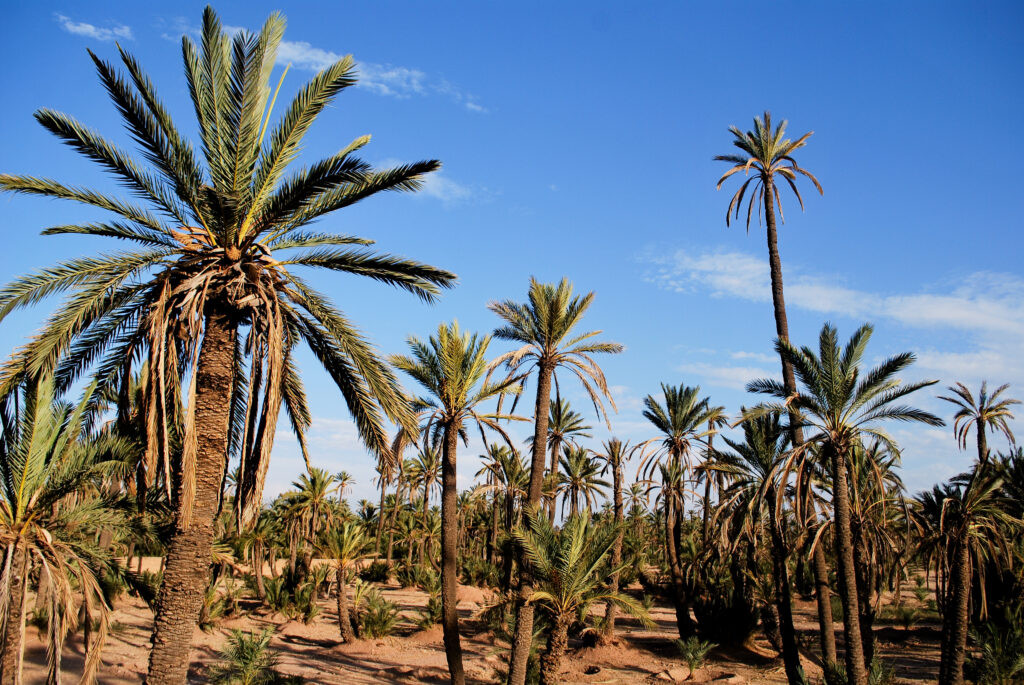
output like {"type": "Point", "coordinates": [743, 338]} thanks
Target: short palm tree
{"type": "Point", "coordinates": [425, 474]}
{"type": "Point", "coordinates": [564, 424]}
{"type": "Point", "coordinates": [987, 411]}
{"type": "Point", "coordinates": [451, 366]}
{"type": "Point", "coordinates": [344, 545]}
{"type": "Point", "coordinates": [212, 287]}
{"type": "Point", "coordinates": [615, 453]}
{"type": "Point", "coordinates": [844, 406]}
{"type": "Point", "coordinates": [544, 330]}
{"type": "Point", "coordinates": [580, 478]}
{"type": "Point", "coordinates": [758, 470]}
{"type": "Point", "coordinates": [569, 569]}
{"type": "Point", "coordinates": [49, 522]}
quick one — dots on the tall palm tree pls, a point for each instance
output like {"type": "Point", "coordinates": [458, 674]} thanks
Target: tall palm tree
{"type": "Point", "coordinates": [758, 469]}
{"type": "Point", "coordinates": [842, 407]}
{"type": "Point", "coordinates": [580, 478]}
{"type": "Point", "coordinates": [683, 422]}
{"type": "Point", "coordinates": [765, 152]}
{"type": "Point", "coordinates": [509, 478]}
{"type": "Point", "coordinates": [344, 545]}
{"type": "Point", "coordinates": [451, 366]}
{"type": "Point", "coordinates": [569, 568]}
{"type": "Point", "coordinates": [988, 411]}
{"type": "Point", "coordinates": [544, 329]}
{"type": "Point", "coordinates": [344, 480]}
{"type": "Point", "coordinates": [564, 424]}
{"type": "Point", "coordinates": [615, 453]}
{"type": "Point", "coordinates": [210, 298]}
{"type": "Point", "coordinates": [49, 521]}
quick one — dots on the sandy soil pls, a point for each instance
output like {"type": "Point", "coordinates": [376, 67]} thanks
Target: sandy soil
{"type": "Point", "coordinates": [315, 652]}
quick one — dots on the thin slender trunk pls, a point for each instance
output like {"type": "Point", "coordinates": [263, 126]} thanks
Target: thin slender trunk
{"type": "Point", "coordinates": [492, 540]}
{"type": "Point", "coordinates": [257, 570]}
{"type": "Point", "coordinates": [846, 572]}
{"type": "Point", "coordinates": [864, 585]}
{"type": "Point", "coordinates": [955, 620]}
{"type": "Point", "coordinates": [449, 554]}
{"type": "Point", "coordinates": [705, 529]}
{"type": "Point", "coordinates": [551, 662]}
{"type": "Point", "coordinates": [611, 609]}
{"type": "Point", "coordinates": [524, 612]}
{"type": "Point", "coordinates": [12, 655]}
{"type": "Point", "coordinates": [684, 623]}
{"type": "Point", "coordinates": [380, 517]}
{"type": "Point", "coordinates": [553, 474]}
{"type": "Point", "coordinates": [187, 568]}
{"type": "Point", "coordinates": [823, 596]}
{"type": "Point", "coordinates": [344, 620]}
{"type": "Point", "coordinates": [783, 600]}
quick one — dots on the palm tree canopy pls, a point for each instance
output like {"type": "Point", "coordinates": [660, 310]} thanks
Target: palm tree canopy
{"type": "Point", "coordinates": [766, 152]}
{"type": "Point", "coordinates": [544, 329]}
{"type": "Point", "coordinates": [987, 410]}
{"type": "Point", "coordinates": [218, 230]}
{"type": "Point", "coordinates": [682, 420]}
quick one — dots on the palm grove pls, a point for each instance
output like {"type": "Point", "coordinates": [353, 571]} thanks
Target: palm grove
{"type": "Point", "coordinates": [184, 343]}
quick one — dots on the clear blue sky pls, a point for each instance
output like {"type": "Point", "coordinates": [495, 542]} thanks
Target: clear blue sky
{"type": "Point", "coordinates": [577, 140]}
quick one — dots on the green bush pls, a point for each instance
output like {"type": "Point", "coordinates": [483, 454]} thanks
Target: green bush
{"type": "Point", "coordinates": [694, 651]}
{"type": "Point", "coordinates": [245, 660]}
{"type": "Point", "coordinates": [1001, 659]}
{"type": "Point", "coordinates": [377, 572]}
{"type": "Point", "coordinates": [378, 617]}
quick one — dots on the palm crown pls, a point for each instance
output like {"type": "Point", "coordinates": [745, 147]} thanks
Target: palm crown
{"type": "Point", "coordinates": [767, 153]}
{"type": "Point", "coordinates": [218, 232]}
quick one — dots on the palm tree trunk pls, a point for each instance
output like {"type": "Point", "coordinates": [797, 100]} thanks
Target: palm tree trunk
{"type": "Point", "coordinates": [553, 474]}
{"type": "Point", "coordinates": [783, 600]}
{"type": "Point", "coordinates": [257, 570]}
{"type": "Point", "coordinates": [187, 569]}
{"type": "Point", "coordinates": [864, 585]}
{"type": "Point", "coordinates": [344, 620]}
{"type": "Point", "coordinates": [955, 620]}
{"type": "Point", "coordinates": [14, 634]}
{"type": "Point", "coordinates": [449, 561]}
{"type": "Point", "coordinates": [524, 612]}
{"type": "Point", "coordinates": [551, 662]}
{"type": "Point", "coordinates": [823, 596]}
{"type": "Point", "coordinates": [610, 608]}
{"type": "Point", "coordinates": [684, 623]}
{"type": "Point", "coordinates": [380, 517]}
{"type": "Point", "coordinates": [846, 572]}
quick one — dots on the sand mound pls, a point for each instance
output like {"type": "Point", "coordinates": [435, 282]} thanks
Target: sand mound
{"type": "Point", "coordinates": [432, 635]}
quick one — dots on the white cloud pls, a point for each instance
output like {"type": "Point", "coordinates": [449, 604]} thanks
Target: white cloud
{"type": "Point", "coordinates": [80, 28]}
{"type": "Point", "coordinates": [450, 192]}
{"type": "Point", "coordinates": [756, 356]}
{"type": "Point", "coordinates": [725, 375]}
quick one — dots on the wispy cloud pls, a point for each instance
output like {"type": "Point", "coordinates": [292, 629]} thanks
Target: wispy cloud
{"type": "Point", "coordinates": [81, 28]}
{"type": "Point", "coordinates": [983, 301]}
{"type": "Point", "coordinates": [724, 375]}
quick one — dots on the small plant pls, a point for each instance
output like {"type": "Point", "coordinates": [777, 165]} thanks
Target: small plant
{"type": "Point", "coordinates": [905, 616]}
{"type": "Point", "coordinates": [921, 593]}
{"type": "Point", "coordinates": [245, 660]}
{"type": "Point", "coordinates": [694, 650]}
{"type": "Point", "coordinates": [430, 615]}
{"type": "Point", "coordinates": [378, 617]}
{"type": "Point", "coordinates": [377, 572]}
{"type": "Point", "coordinates": [1001, 661]}
{"type": "Point", "coordinates": [879, 674]}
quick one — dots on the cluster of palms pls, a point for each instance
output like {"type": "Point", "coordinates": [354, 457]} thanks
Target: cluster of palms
{"type": "Point", "coordinates": [186, 344]}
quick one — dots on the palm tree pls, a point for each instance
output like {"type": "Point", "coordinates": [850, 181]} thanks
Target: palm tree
{"type": "Point", "coordinates": [682, 420]}
{"type": "Point", "coordinates": [758, 469]}
{"type": "Point", "coordinates": [580, 478]}
{"type": "Point", "coordinates": [425, 473]}
{"type": "Point", "coordinates": [509, 478]}
{"type": "Point", "coordinates": [988, 411]}
{"type": "Point", "coordinates": [615, 453]}
{"type": "Point", "coordinates": [569, 567]}
{"type": "Point", "coordinates": [451, 366]}
{"type": "Point", "coordinates": [257, 541]}
{"type": "Point", "coordinates": [49, 520]}
{"type": "Point", "coordinates": [563, 424]}
{"type": "Point", "coordinates": [842, 406]}
{"type": "Point", "coordinates": [544, 330]}
{"type": "Point", "coordinates": [344, 545]}
{"type": "Point", "coordinates": [769, 155]}
{"type": "Point", "coordinates": [211, 290]}
{"type": "Point", "coordinates": [344, 480]}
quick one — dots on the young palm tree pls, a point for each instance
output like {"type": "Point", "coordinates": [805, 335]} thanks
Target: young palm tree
{"type": "Point", "coordinates": [49, 521]}
{"type": "Point", "coordinates": [579, 479]}
{"type": "Point", "coordinates": [344, 545]}
{"type": "Point", "coordinates": [988, 411]}
{"type": "Point", "coordinates": [212, 288]}
{"type": "Point", "coordinates": [843, 406]}
{"type": "Point", "coordinates": [564, 424]}
{"type": "Point", "coordinates": [344, 480]}
{"type": "Point", "coordinates": [569, 567]}
{"type": "Point", "coordinates": [683, 420]}
{"type": "Point", "coordinates": [425, 474]}
{"type": "Point", "coordinates": [544, 328]}
{"type": "Point", "coordinates": [758, 469]}
{"type": "Point", "coordinates": [769, 155]}
{"type": "Point", "coordinates": [451, 366]}
{"type": "Point", "coordinates": [257, 542]}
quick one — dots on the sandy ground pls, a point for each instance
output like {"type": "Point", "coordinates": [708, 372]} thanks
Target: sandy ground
{"type": "Point", "coordinates": [315, 651]}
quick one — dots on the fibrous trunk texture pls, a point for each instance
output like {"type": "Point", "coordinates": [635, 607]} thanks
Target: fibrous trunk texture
{"type": "Point", "coordinates": [449, 561]}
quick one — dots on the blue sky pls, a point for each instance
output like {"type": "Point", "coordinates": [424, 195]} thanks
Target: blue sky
{"type": "Point", "coordinates": [577, 140]}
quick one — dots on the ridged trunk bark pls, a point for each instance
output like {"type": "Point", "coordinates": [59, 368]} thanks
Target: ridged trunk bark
{"type": "Point", "coordinates": [611, 609]}
{"type": "Point", "coordinates": [449, 560]}
{"type": "Point", "coordinates": [865, 581]}
{"type": "Point", "coordinates": [783, 599]}
{"type": "Point", "coordinates": [187, 568]}
{"type": "Point", "coordinates": [955, 620]}
{"type": "Point", "coordinates": [680, 598]}
{"type": "Point", "coordinates": [553, 473]}
{"type": "Point", "coordinates": [846, 572]}
{"type": "Point", "coordinates": [551, 661]}
{"type": "Point", "coordinates": [823, 601]}
{"type": "Point", "coordinates": [14, 633]}
{"type": "Point", "coordinates": [344, 620]}
{"type": "Point", "coordinates": [523, 639]}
